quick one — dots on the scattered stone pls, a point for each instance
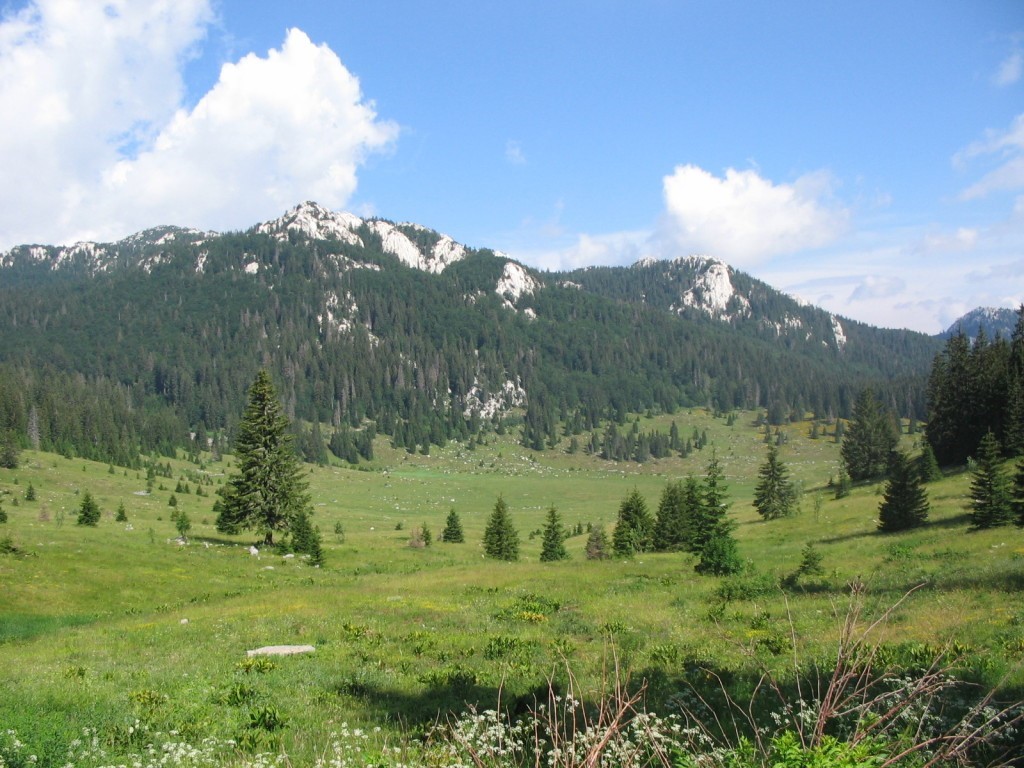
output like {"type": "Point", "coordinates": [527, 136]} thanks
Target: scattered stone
{"type": "Point", "coordinates": [280, 650]}
{"type": "Point", "coordinates": [184, 621]}
{"type": "Point", "coordinates": [254, 552]}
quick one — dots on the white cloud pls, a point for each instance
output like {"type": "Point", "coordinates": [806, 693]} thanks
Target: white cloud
{"type": "Point", "coordinates": [744, 218]}
{"type": "Point", "coordinates": [514, 152]}
{"type": "Point", "coordinates": [878, 287]}
{"type": "Point", "coordinates": [103, 145]}
{"type": "Point", "coordinates": [1010, 70]}
{"type": "Point", "coordinates": [962, 240]}
{"type": "Point", "coordinates": [1007, 147]}
{"type": "Point", "coordinates": [611, 249]}
{"type": "Point", "coordinates": [271, 132]}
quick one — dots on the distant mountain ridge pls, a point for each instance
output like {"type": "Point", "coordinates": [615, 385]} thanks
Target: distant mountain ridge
{"type": "Point", "coordinates": [993, 320]}
{"type": "Point", "coordinates": [397, 323]}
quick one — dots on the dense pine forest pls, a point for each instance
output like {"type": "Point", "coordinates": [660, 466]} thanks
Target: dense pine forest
{"type": "Point", "coordinates": [148, 345]}
{"type": "Point", "coordinates": [976, 387]}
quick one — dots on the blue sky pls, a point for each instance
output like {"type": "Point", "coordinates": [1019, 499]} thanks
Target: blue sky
{"type": "Point", "coordinates": [867, 157]}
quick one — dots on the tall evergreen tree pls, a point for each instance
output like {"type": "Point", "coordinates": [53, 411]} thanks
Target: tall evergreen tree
{"type": "Point", "coordinates": [709, 519]}
{"type": "Point", "coordinates": [9, 451]}
{"type": "Point", "coordinates": [553, 539]}
{"type": "Point", "coordinates": [869, 439]}
{"type": "Point", "coordinates": [1018, 492]}
{"type": "Point", "coordinates": [974, 388]}
{"type": "Point", "coordinates": [1013, 438]}
{"type": "Point", "coordinates": [634, 527]}
{"type": "Point", "coordinates": [671, 523]}
{"type": "Point", "coordinates": [905, 501]}
{"type": "Point", "coordinates": [452, 533]}
{"type": "Point", "coordinates": [716, 546]}
{"type": "Point", "coordinates": [927, 466]}
{"type": "Point", "coordinates": [270, 488]}
{"type": "Point", "coordinates": [501, 540]}
{"type": "Point", "coordinates": [991, 495]}
{"type": "Point", "coordinates": [693, 511]}
{"type": "Point", "coordinates": [774, 494]}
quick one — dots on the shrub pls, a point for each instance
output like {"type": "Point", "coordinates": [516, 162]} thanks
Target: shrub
{"type": "Point", "coordinates": [747, 586]}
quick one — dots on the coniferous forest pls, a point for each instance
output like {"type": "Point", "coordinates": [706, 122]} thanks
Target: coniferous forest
{"type": "Point", "coordinates": [975, 387]}
{"type": "Point", "coordinates": [152, 347]}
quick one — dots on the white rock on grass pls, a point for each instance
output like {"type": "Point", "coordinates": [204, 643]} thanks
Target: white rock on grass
{"type": "Point", "coordinates": [280, 650]}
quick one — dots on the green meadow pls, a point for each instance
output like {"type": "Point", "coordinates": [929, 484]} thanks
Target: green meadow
{"type": "Point", "coordinates": [124, 629]}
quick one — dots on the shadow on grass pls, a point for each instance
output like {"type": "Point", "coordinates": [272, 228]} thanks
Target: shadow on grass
{"type": "Point", "coordinates": [449, 694]}
{"type": "Point", "coordinates": [962, 520]}
{"type": "Point", "coordinates": [1009, 580]}
{"type": "Point", "coordinates": [26, 626]}
{"type": "Point", "coordinates": [727, 702]}
{"type": "Point", "coordinates": [219, 541]}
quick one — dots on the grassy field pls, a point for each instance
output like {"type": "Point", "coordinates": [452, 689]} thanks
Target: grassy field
{"type": "Point", "coordinates": [121, 628]}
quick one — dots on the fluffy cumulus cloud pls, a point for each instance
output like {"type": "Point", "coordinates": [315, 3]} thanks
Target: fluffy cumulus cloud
{"type": "Point", "coordinates": [103, 144]}
{"type": "Point", "coordinates": [743, 218]}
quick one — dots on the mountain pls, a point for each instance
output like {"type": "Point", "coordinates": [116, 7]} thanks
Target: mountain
{"type": "Point", "coordinates": [993, 321]}
{"type": "Point", "coordinates": [360, 320]}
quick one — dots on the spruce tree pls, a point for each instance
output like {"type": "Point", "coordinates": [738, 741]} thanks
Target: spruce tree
{"type": "Point", "coordinates": [634, 528]}
{"type": "Point", "coordinates": [810, 561]}
{"type": "Point", "coordinates": [716, 546]}
{"type": "Point", "coordinates": [88, 511]}
{"type": "Point", "coordinates": [709, 518]}
{"type": "Point", "coordinates": [1013, 436]}
{"type": "Point", "coordinates": [927, 466]}
{"type": "Point", "coordinates": [30, 493]}
{"type": "Point", "coordinates": [269, 489]}
{"type": "Point", "coordinates": [905, 501]}
{"type": "Point", "coordinates": [306, 539]}
{"type": "Point", "coordinates": [597, 543]}
{"type": "Point", "coordinates": [3, 513]}
{"type": "Point", "coordinates": [693, 506]}
{"type": "Point", "coordinates": [991, 495]}
{"type": "Point", "coordinates": [774, 495]}
{"type": "Point", "coordinates": [671, 524]}
{"type": "Point", "coordinates": [553, 539]}
{"type": "Point", "coordinates": [843, 485]}
{"type": "Point", "coordinates": [1018, 492]}
{"type": "Point", "coordinates": [452, 533]}
{"type": "Point", "coordinates": [501, 540]}
{"type": "Point", "coordinates": [869, 439]}
{"type": "Point", "coordinates": [122, 514]}
{"type": "Point", "coordinates": [9, 451]}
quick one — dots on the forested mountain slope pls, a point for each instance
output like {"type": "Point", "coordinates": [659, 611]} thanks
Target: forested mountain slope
{"type": "Point", "coordinates": [108, 347]}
